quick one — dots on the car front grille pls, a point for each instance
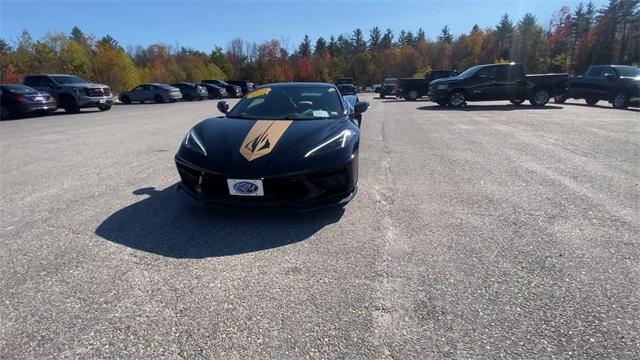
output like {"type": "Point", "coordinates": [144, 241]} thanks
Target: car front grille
{"type": "Point", "coordinates": [277, 189]}
{"type": "Point", "coordinates": [98, 91]}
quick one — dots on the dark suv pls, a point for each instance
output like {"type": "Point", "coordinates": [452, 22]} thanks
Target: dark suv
{"type": "Point", "coordinates": [232, 90]}
{"type": "Point", "coordinates": [245, 85]}
{"type": "Point", "coordinates": [191, 91]}
{"type": "Point", "coordinates": [71, 92]}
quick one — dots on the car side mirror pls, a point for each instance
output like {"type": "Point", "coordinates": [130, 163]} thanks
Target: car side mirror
{"type": "Point", "coordinates": [223, 106]}
{"type": "Point", "coordinates": [360, 107]}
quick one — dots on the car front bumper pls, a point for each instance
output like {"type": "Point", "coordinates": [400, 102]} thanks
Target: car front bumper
{"type": "Point", "coordinates": [300, 191]}
{"type": "Point", "coordinates": [437, 95]}
{"type": "Point", "coordinates": [94, 101]}
{"type": "Point", "coordinates": [37, 107]}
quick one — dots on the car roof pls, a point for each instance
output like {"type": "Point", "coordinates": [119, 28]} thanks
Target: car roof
{"type": "Point", "coordinates": [50, 75]}
{"type": "Point", "coordinates": [294, 84]}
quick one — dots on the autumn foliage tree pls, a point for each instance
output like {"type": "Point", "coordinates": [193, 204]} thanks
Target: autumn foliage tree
{"type": "Point", "coordinates": [569, 42]}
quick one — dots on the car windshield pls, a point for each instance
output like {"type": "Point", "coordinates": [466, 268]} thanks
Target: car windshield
{"type": "Point", "coordinates": [390, 81]}
{"type": "Point", "coordinates": [19, 89]}
{"type": "Point", "coordinates": [164, 86]}
{"type": "Point", "coordinates": [221, 82]}
{"type": "Point", "coordinates": [68, 79]}
{"type": "Point", "coordinates": [470, 71]}
{"type": "Point", "coordinates": [297, 102]}
{"type": "Point", "coordinates": [346, 89]}
{"type": "Point", "coordinates": [628, 71]}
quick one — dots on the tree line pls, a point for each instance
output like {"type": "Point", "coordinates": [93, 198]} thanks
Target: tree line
{"type": "Point", "coordinates": [569, 42]}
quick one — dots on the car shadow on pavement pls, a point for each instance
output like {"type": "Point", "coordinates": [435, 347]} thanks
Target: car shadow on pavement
{"type": "Point", "coordinates": [166, 225]}
{"type": "Point", "coordinates": [489, 108]}
{"type": "Point", "coordinates": [631, 108]}
{"type": "Point", "coordinates": [403, 100]}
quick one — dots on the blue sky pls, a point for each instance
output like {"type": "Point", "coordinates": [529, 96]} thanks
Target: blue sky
{"type": "Point", "coordinates": [203, 24]}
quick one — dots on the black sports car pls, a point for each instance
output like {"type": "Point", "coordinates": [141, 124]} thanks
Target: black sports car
{"type": "Point", "coordinates": [289, 145]}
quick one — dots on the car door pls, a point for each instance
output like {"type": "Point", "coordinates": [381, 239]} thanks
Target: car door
{"type": "Point", "coordinates": [515, 84]}
{"type": "Point", "coordinates": [136, 93]}
{"type": "Point", "coordinates": [593, 82]}
{"type": "Point", "coordinates": [152, 90]}
{"type": "Point", "coordinates": [607, 83]}
{"type": "Point", "coordinates": [502, 87]}
{"type": "Point", "coordinates": [482, 86]}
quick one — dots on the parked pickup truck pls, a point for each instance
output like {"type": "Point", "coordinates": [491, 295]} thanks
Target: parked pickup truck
{"type": "Point", "coordinates": [412, 89]}
{"type": "Point", "coordinates": [388, 88]}
{"type": "Point", "coordinates": [617, 84]}
{"type": "Point", "coordinates": [71, 92]}
{"type": "Point", "coordinates": [498, 82]}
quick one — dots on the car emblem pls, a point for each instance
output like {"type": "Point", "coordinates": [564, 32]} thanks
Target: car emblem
{"type": "Point", "coordinates": [263, 137]}
{"type": "Point", "coordinates": [245, 187]}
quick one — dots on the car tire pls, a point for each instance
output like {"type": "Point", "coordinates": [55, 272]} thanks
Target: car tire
{"type": "Point", "coordinates": [70, 105]}
{"type": "Point", "coordinates": [540, 97]}
{"type": "Point", "coordinates": [5, 114]}
{"type": "Point", "coordinates": [172, 100]}
{"type": "Point", "coordinates": [125, 99]}
{"type": "Point", "coordinates": [381, 96]}
{"type": "Point", "coordinates": [620, 101]}
{"type": "Point", "coordinates": [591, 101]}
{"type": "Point", "coordinates": [412, 95]}
{"type": "Point", "coordinates": [442, 103]}
{"type": "Point", "coordinates": [559, 99]}
{"type": "Point", "coordinates": [158, 99]}
{"type": "Point", "coordinates": [457, 99]}
{"type": "Point", "coordinates": [104, 107]}
{"type": "Point", "coordinates": [516, 101]}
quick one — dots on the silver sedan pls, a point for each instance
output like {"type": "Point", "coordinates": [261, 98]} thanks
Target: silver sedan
{"type": "Point", "coordinates": [158, 93]}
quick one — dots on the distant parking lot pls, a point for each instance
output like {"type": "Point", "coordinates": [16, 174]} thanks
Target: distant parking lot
{"type": "Point", "coordinates": [492, 231]}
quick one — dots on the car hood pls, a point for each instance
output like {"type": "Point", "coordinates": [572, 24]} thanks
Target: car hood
{"type": "Point", "coordinates": [228, 142]}
{"type": "Point", "coordinates": [447, 80]}
{"type": "Point", "coordinates": [87, 85]}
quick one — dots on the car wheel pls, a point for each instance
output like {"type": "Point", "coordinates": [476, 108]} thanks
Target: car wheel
{"type": "Point", "coordinates": [442, 103]}
{"type": "Point", "coordinates": [125, 99]}
{"type": "Point", "coordinates": [5, 114]}
{"type": "Point", "coordinates": [540, 97]}
{"type": "Point", "coordinates": [559, 99]}
{"type": "Point", "coordinates": [516, 102]}
{"type": "Point", "coordinates": [591, 101]}
{"type": "Point", "coordinates": [70, 105]}
{"type": "Point", "coordinates": [457, 98]}
{"type": "Point", "coordinates": [412, 96]}
{"type": "Point", "coordinates": [381, 96]}
{"type": "Point", "coordinates": [172, 100]}
{"type": "Point", "coordinates": [158, 99]}
{"type": "Point", "coordinates": [104, 107]}
{"type": "Point", "coordinates": [621, 101]}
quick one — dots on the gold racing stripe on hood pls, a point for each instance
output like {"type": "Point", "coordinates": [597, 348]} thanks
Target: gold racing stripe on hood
{"type": "Point", "coordinates": [263, 137]}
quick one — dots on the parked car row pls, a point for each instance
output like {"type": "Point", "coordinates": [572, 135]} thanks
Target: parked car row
{"type": "Point", "coordinates": [45, 93]}
{"type": "Point", "coordinates": [617, 84]}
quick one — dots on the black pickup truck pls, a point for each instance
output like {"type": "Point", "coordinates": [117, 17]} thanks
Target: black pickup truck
{"type": "Point", "coordinates": [617, 84]}
{"type": "Point", "coordinates": [498, 82]}
{"type": "Point", "coordinates": [413, 89]}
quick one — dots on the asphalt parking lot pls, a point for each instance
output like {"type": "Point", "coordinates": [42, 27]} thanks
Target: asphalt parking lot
{"type": "Point", "coordinates": [492, 232]}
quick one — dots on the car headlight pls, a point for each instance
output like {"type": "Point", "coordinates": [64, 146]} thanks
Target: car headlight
{"type": "Point", "coordinates": [339, 141]}
{"type": "Point", "coordinates": [193, 142]}
{"type": "Point", "coordinates": [443, 86]}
